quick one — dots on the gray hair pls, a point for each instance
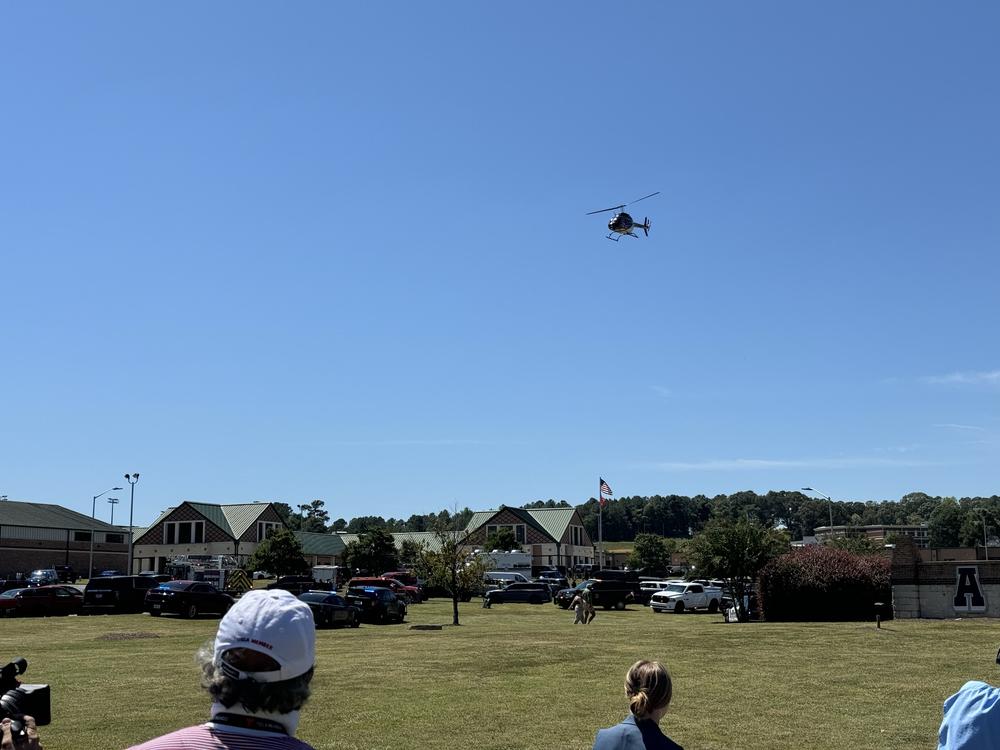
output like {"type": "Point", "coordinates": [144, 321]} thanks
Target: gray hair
{"type": "Point", "coordinates": [271, 697]}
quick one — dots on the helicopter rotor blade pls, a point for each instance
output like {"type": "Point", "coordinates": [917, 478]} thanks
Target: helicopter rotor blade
{"type": "Point", "coordinates": [613, 208]}
{"type": "Point", "coordinates": [643, 198]}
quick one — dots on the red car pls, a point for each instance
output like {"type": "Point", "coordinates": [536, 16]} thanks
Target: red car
{"type": "Point", "coordinates": [407, 578]}
{"type": "Point", "coordinates": [43, 601]}
{"type": "Point", "coordinates": [406, 593]}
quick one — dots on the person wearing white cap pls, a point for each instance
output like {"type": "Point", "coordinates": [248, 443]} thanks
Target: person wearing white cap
{"type": "Point", "coordinates": [258, 672]}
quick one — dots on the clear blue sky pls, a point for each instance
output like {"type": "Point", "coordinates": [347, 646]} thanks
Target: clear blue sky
{"type": "Point", "coordinates": [339, 251]}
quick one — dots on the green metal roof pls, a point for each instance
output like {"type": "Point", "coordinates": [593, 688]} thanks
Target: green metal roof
{"type": "Point", "coordinates": [213, 513]}
{"type": "Point", "coordinates": [555, 521]}
{"type": "Point", "coordinates": [242, 517]}
{"type": "Point", "coordinates": [320, 544]}
{"type": "Point", "coordinates": [48, 516]}
{"type": "Point", "coordinates": [427, 538]}
{"type": "Point", "coordinates": [481, 517]}
{"type": "Point", "coordinates": [233, 519]}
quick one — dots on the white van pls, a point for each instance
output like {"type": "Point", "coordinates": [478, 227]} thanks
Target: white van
{"type": "Point", "coordinates": [503, 578]}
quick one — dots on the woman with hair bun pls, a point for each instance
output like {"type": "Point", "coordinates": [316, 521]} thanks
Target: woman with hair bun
{"type": "Point", "coordinates": [648, 689]}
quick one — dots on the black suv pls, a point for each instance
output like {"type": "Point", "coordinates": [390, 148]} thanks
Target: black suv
{"type": "Point", "coordinates": [377, 604]}
{"type": "Point", "coordinates": [603, 593]}
{"type": "Point", "coordinates": [117, 593]}
{"type": "Point", "coordinates": [298, 584]}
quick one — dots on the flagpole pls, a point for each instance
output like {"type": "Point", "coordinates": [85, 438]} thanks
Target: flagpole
{"type": "Point", "coordinates": [600, 524]}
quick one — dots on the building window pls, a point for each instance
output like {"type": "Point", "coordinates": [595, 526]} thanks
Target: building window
{"type": "Point", "coordinates": [518, 529]}
{"type": "Point", "coordinates": [265, 529]}
{"type": "Point", "coordinates": [114, 538]}
{"type": "Point", "coordinates": [81, 536]}
{"type": "Point", "coordinates": [184, 532]}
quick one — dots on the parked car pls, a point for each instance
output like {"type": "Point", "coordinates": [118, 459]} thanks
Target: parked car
{"type": "Point", "coordinates": [377, 604]}
{"type": "Point", "coordinates": [649, 587]}
{"type": "Point", "coordinates": [613, 574]}
{"type": "Point", "coordinates": [681, 597]}
{"type": "Point", "coordinates": [565, 596]}
{"type": "Point", "coordinates": [13, 583]}
{"type": "Point", "coordinates": [532, 593]}
{"type": "Point", "coordinates": [502, 578]}
{"type": "Point", "coordinates": [117, 593]}
{"type": "Point", "coordinates": [66, 573]}
{"type": "Point", "coordinates": [187, 598]}
{"type": "Point", "coordinates": [260, 575]}
{"type": "Point", "coordinates": [43, 577]}
{"type": "Point", "coordinates": [406, 593]}
{"type": "Point", "coordinates": [606, 594]}
{"type": "Point", "coordinates": [41, 601]}
{"type": "Point", "coordinates": [158, 577]}
{"type": "Point", "coordinates": [296, 584]}
{"type": "Point", "coordinates": [553, 580]}
{"type": "Point", "coordinates": [407, 578]}
{"type": "Point", "coordinates": [330, 610]}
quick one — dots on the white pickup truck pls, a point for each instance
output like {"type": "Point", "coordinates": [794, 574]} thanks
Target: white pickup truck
{"type": "Point", "coordinates": [680, 597]}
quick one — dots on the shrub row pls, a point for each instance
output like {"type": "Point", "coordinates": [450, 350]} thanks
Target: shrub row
{"type": "Point", "coordinates": [823, 583]}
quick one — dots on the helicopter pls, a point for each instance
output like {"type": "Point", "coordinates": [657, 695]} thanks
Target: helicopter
{"type": "Point", "coordinates": [623, 224]}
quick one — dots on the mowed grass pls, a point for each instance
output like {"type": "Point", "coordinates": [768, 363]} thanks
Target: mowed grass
{"type": "Point", "coordinates": [522, 676]}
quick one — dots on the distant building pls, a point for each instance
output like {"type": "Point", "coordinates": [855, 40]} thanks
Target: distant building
{"type": "Point", "coordinates": [428, 539]}
{"type": "Point", "coordinates": [879, 534]}
{"type": "Point", "coordinates": [194, 529]}
{"type": "Point", "coordinates": [806, 541]}
{"type": "Point", "coordinates": [321, 549]}
{"type": "Point", "coordinates": [40, 535]}
{"type": "Point", "coordinates": [553, 536]}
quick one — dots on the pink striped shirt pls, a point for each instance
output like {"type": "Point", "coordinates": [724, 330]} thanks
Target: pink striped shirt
{"type": "Point", "coordinates": [212, 737]}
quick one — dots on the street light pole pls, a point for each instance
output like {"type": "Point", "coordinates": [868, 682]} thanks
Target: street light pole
{"type": "Point", "coordinates": [93, 517]}
{"type": "Point", "coordinates": [131, 504]}
{"type": "Point", "coordinates": [828, 499]}
{"type": "Point", "coordinates": [986, 546]}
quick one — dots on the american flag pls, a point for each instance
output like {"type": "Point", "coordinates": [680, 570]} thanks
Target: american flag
{"type": "Point", "coordinates": [605, 489]}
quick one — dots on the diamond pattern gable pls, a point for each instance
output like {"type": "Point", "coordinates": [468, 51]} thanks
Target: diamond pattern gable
{"type": "Point", "coordinates": [555, 521]}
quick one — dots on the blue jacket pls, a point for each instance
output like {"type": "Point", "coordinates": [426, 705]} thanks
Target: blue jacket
{"type": "Point", "coordinates": [971, 719]}
{"type": "Point", "coordinates": [634, 734]}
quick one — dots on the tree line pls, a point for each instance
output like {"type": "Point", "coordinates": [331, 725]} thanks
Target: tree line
{"type": "Point", "coordinates": [953, 522]}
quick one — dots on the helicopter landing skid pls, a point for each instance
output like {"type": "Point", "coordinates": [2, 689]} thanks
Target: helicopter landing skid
{"type": "Point", "coordinates": [615, 236]}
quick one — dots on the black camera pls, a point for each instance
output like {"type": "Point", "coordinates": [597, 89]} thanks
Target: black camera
{"type": "Point", "coordinates": [17, 699]}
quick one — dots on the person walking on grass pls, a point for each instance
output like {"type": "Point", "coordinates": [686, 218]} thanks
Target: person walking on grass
{"type": "Point", "coordinates": [579, 607]}
{"type": "Point", "coordinates": [588, 600]}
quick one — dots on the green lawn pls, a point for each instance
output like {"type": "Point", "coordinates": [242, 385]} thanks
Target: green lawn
{"type": "Point", "coordinates": [521, 676]}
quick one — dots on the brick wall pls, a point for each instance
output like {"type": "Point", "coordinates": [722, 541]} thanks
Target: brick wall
{"type": "Point", "coordinates": [943, 589]}
{"type": "Point", "coordinates": [28, 557]}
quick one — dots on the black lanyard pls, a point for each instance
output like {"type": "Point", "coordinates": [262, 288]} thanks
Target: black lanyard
{"type": "Point", "coordinates": [249, 722]}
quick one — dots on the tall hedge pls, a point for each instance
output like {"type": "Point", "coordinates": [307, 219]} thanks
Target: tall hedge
{"type": "Point", "coordinates": [824, 583]}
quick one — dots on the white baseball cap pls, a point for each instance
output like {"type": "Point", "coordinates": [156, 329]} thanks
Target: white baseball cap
{"type": "Point", "coordinates": [272, 622]}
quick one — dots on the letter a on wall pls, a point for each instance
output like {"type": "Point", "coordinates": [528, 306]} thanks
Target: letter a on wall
{"type": "Point", "coordinates": [968, 592]}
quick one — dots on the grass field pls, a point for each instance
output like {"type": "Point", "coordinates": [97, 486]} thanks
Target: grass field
{"type": "Point", "coordinates": [521, 676]}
